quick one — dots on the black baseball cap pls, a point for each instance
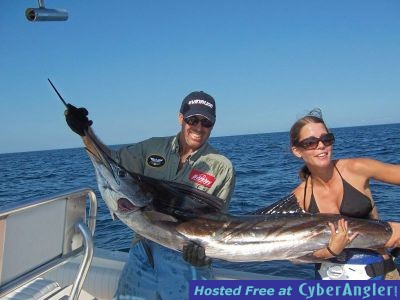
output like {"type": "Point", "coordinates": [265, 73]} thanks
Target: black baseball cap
{"type": "Point", "coordinates": [198, 103]}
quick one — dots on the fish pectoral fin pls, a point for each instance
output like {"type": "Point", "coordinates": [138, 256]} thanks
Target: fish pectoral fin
{"type": "Point", "coordinates": [296, 261]}
{"type": "Point", "coordinates": [304, 259]}
{"type": "Point", "coordinates": [157, 216]}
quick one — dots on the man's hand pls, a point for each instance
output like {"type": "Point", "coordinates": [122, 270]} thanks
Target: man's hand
{"type": "Point", "coordinates": [77, 119]}
{"type": "Point", "coordinates": [195, 255]}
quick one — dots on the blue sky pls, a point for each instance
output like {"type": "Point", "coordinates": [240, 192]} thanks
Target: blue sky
{"type": "Point", "coordinates": [130, 63]}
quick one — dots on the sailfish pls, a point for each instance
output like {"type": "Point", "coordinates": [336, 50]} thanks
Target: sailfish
{"type": "Point", "coordinates": [173, 214]}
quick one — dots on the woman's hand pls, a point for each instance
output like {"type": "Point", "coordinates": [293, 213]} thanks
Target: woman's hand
{"type": "Point", "coordinates": [339, 237]}
{"type": "Point", "coordinates": [338, 240]}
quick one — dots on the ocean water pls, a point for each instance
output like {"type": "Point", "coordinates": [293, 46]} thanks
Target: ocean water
{"type": "Point", "coordinates": [266, 171]}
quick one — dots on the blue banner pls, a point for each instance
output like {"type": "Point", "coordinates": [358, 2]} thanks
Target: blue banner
{"type": "Point", "coordinates": [294, 289]}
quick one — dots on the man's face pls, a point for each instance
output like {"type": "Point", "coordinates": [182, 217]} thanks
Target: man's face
{"type": "Point", "coordinates": [195, 135]}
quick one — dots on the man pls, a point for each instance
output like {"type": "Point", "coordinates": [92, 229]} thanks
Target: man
{"type": "Point", "coordinates": [153, 271]}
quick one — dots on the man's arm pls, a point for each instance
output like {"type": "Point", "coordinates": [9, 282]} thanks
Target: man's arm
{"type": "Point", "coordinates": [77, 119]}
{"type": "Point", "coordinates": [226, 191]}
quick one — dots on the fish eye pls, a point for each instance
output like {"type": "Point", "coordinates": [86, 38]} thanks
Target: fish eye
{"type": "Point", "coordinates": [121, 173]}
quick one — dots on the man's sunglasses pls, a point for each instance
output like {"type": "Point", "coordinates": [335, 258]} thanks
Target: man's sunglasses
{"type": "Point", "coordinates": [193, 121]}
{"type": "Point", "coordinates": [312, 142]}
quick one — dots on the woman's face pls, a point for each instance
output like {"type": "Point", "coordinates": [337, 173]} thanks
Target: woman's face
{"type": "Point", "coordinates": [314, 145]}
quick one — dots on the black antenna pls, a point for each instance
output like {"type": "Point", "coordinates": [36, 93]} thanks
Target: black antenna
{"type": "Point", "coordinates": [59, 95]}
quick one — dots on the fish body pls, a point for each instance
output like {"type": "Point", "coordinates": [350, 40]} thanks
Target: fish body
{"type": "Point", "coordinates": [172, 214]}
{"type": "Point", "coordinates": [291, 237]}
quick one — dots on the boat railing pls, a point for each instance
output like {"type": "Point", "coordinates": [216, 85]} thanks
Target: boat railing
{"type": "Point", "coordinates": [38, 235]}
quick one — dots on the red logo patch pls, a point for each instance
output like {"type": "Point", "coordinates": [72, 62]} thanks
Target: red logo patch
{"type": "Point", "coordinates": [201, 178]}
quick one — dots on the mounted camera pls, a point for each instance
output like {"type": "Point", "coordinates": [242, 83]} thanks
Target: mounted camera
{"type": "Point", "coordinates": [45, 14]}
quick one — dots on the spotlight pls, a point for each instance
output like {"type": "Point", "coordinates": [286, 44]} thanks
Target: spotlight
{"type": "Point", "coordinates": [45, 14]}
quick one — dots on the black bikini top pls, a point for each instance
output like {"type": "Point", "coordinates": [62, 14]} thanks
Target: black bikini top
{"type": "Point", "coordinates": [354, 203]}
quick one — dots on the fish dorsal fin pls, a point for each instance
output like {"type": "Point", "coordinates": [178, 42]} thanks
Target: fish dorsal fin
{"type": "Point", "coordinates": [172, 196]}
{"type": "Point", "coordinates": [198, 196]}
{"type": "Point", "coordinates": [287, 205]}
{"type": "Point", "coordinates": [167, 196]}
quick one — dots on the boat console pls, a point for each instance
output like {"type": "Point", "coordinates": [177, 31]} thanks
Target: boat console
{"type": "Point", "coordinates": [39, 235]}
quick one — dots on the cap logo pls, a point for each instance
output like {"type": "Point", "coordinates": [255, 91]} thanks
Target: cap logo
{"type": "Point", "coordinates": [201, 178]}
{"type": "Point", "coordinates": [202, 102]}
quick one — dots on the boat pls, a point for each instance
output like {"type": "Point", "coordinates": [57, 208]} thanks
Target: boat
{"type": "Point", "coordinates": [47, 251]}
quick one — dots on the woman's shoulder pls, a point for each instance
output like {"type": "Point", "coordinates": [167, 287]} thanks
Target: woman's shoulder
{"type": "Point", "coordinates": [353, 165]}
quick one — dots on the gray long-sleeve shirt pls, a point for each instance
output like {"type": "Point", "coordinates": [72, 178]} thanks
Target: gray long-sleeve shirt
{"type": "Point", "coordinates": [158, 157]}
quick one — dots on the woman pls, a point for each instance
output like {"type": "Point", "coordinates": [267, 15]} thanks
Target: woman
{"type": "Point", "coordinates": [341, 187]}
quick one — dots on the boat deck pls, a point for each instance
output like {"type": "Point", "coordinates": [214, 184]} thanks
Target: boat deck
{"type": "Point", "coordinates": [38, 261]}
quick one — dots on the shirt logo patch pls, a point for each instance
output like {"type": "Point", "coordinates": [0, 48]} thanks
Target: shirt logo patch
{"type": "Point", "coordinates": [155, 161]}
{"type": "Point", "coordinates": [201, 178]}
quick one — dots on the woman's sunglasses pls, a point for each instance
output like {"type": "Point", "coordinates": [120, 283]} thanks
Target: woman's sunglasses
{"type": "Point", "coordinates": [312, 142]}
{"type": "Point", "coordinates": [193, 121]}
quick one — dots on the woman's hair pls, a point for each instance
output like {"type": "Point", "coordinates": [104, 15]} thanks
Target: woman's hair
{"type": "Point", "coordinates": [314, 116]}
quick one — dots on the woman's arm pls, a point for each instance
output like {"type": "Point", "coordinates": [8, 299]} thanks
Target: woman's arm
{"type": "Point", "coordinates": [371, 168]}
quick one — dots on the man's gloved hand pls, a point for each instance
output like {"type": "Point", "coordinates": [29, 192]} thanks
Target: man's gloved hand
{"type": "Point", "coordinates": [77, 119]}
{"type": "Point", "coordinates": [195, 255]}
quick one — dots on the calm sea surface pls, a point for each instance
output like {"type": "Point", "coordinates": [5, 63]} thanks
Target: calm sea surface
{"type": "Point", "coordinates": [266, 171]}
